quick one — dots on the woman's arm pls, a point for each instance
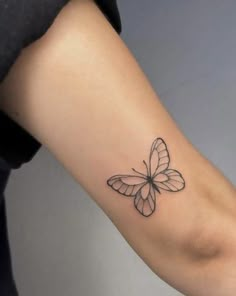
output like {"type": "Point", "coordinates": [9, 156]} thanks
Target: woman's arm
{"type": "Point", "coordinates": [81, 93]}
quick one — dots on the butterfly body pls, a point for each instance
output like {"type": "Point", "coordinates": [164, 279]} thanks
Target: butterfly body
{"type": "Point", "coordinates": [150, 179]}
{"type": "Point", "coordinates": [143, 187]}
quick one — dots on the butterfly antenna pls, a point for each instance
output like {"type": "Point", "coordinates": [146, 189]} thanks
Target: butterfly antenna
{"type": "Point", "coordinates": [146, 166]}
{"type": "Point", "coordinates": [138, 172]}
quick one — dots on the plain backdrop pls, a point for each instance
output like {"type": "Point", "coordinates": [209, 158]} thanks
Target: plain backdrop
{"type": "Point", "coordinates": [62, 243]}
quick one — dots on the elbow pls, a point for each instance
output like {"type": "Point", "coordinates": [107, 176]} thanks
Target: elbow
{"type": "Point", "coordinates": [212, 238]}
{"type": "Point", "coordinates": [206, 238]}
{"type": "Point", "coordinates": [203, 244]}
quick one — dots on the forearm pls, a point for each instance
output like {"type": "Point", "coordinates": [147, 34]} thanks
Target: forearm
{"type": "Point", "coordinates": [82, 94]}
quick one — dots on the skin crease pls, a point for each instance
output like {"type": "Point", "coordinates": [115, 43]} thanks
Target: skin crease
{"type": "Point", "coordinates": [82, 94]}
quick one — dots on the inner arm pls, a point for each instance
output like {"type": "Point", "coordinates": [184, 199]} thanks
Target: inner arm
{"type": "Point", "coordinates": [82, 94]}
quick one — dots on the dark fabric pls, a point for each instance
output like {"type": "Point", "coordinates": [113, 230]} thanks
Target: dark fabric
{"type": "Point", "coordinates": [16, 145]}
{"type": "Point", "coordinates": [21, 23]}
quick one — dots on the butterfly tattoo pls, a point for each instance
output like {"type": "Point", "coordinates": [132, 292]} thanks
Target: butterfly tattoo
{"type": "Point", "coordinates": [145, 187]}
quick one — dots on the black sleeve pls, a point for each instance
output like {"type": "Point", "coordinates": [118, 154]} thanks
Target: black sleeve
{"type": "Point", "coordinates": [21, 23]}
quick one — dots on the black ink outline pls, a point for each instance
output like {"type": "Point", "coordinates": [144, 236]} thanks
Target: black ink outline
{"type": "Point", "coordinates": [139, 201]}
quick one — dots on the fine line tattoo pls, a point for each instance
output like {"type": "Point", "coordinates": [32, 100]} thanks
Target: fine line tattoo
{"type": "Point", "coordinates": [144, 187]}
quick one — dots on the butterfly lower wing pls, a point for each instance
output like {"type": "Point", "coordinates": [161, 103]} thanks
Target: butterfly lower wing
{"type": "Point", "coordinates": [127, 185]}
{"type": "Point", "coordinates": [145, 200]}
{"type": "Point", "coordinates": [170, 180]}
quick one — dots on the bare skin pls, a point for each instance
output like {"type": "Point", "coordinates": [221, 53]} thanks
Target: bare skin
{"type": "Point", "coordinates": [82, 94]}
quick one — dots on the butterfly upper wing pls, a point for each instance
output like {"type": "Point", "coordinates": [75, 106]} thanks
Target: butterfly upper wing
{"type": "Point", "coordinates": [126, 184]}
{"type": "Point", "coordinates": [159, 158]}
{"type": "Point", "coordinates": [163, 178]}
{"type": "Point", "coordinates": [170, 180]}
{"type": "Point", "coordinates": [145, 200]}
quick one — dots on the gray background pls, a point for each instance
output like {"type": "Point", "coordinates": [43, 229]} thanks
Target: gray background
{"type": "Point", "coordinates": [62, 243]}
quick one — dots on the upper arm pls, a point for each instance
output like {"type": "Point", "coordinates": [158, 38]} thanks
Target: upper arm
{"type": "Point", "coordinates": [81, 93]}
